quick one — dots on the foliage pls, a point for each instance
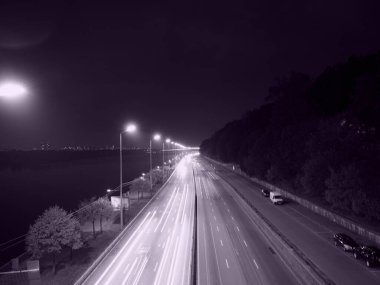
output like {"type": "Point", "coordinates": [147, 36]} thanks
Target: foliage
{"type": "Point", "coordinates": [104, 210]}
{"type": "Point", "coordinates": [89, 212]}
{"type": "Point", "coordinates": [319, 136]}
{"type": "Point", "coordinates": [53, 231]}
{"type": "Point", "coordinates": [140, 185]}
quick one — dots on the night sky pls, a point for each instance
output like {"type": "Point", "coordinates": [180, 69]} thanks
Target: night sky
{"type": "Point", "coordinates": [184, 68]}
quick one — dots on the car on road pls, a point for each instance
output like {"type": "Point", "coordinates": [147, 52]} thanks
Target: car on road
{"type": "Point", "coordinates": [370, 254]}
{"type": "Point", "coordinates": [345, 241]}
{"type": "Point", "coordinates": [276, 198]}
{"type": "Point", "coordinates": [265, 192]}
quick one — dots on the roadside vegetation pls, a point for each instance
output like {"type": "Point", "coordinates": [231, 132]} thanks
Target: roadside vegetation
{"type": "Point", "coordinates": [57, 235]}
{"type": "Point", "coordinates": [316, 137]}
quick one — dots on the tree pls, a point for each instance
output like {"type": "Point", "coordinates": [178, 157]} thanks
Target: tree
{"type": "Point", "coordinates": [88, 212]}
{"type": "Point", "coordinates": [315, 173]}
{"type": "Point", "coordinates": [140, 185]}
{"type": "Point", "coordinates": [51, 232]}
{"type": "Point", "coordinates": [105, 210]}
{"type": "Point", "coordinates": [75, 237]}
{"type": "Point", "coordinates": [343, 187]}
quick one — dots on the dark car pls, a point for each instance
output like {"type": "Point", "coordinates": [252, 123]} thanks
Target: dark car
{"type": "Point", "coordinates": [345, 241]}
{"type": "Point", "coordinates": [370, 254]}
{"type": "Point", "coordinates": [265, 192]}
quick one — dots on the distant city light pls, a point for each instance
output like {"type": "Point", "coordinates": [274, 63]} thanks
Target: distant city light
{"type": "Point", "coordinates": [167, 140]}
{"type": "Point", "coordinates": [157, 137]}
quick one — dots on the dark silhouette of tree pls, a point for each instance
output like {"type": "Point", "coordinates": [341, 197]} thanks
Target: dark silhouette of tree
{"type": "Point", "coordinates": [89, 212]}
{"type": "Point", "coordinates": [313, 133]}
{"type": "Point", "coordinates": [51, 232]}
{"type": "Point", "coordinates": [104, 210]}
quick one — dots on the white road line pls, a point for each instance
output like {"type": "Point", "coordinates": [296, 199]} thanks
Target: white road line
{"type": "Point", "coordinates": [238, 228]}
{"type": "Point", "coordinates": [256, 264]}
{"type": "Point", "coordinates": [155, 267]}
{"type": "Point", "coordinates": [129, 272]}
{"type": "Point", "coordinates": [141, 271]}
{"type": "Point", "coordinates": [126, 268]}
{"type": "Point", "coordinates": [216, 255]}
{"type": "Point", "coordinates": [221, 242]}
{"type": "Point", "coordinates": [217, 228]}
{"type": "Point", "coordinates": [172, 264]}
{"type": "Point", "coordinates": [165, 210]}
{"type": "Point", "coordinates": [121, 251]}
{"type": "Point", "coordinates": [245, 243]}
{"type": "Point", "coordinates": [227, 263]}
{"type": "Point", "coordinates": [184, 207]}
{"type": "Point", "coordinates": [233, 218]}
{"type": "Point", "coordinates": [167, 217]}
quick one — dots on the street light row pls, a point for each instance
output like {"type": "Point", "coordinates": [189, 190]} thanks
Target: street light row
{"type": "Point", "coordinates": [131, 128]}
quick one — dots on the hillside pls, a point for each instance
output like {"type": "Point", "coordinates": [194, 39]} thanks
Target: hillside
{"type": "Point", "coordinates": [316, 137]}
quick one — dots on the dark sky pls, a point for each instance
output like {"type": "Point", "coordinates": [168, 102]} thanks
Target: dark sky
{"type": "Point", "coordinates": [184, 68]}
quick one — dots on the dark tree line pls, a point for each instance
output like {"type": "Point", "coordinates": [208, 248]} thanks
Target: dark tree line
{"type": "Point", "coordinates": [316, 137]}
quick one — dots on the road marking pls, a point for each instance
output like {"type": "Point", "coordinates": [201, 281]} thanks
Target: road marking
{"type": "Point", "coordinates": [121, 251]}
{"type": "Point", "coordinates": [238, 228]}
{"type": "Point", "coordinates": [221, 242]}
{"type": "Point", "coordinates": [228, 210]}
{"type": "Point", "coordinates": [233, 218]}
{"type": "Point", "coordinates": [227, 263]}
{"type": "Point", "coordinates": [155, 267]}
{"type": "Point", "coordinates": [126, 268]}
{"type": "Point", "coordinates": [256, 264]}
{"type": "Point", "coordinates": [245, 243]}
{"type": "Point", "coordinates": [217, 228]}
{"type": "Point", "coordinates": [140, 271]}
{"type": "Point", "coordinates": [167, 217]}
{"type": "Point", "coordinates": [130, 271]}
{"type": "Point", "coordinates": [165, 210]}
{"type": "Point", "coordinates": [214, 218]}
{"type": "Point", "coordinates": [216, 255]}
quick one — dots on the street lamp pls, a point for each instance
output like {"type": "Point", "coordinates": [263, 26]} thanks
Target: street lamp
{"type": "Point", "coordinates": [156, 137]}
{"type": "Point", "coordinates": [131, 128]}
{"type": "Point", "coordinates": [12, 90]}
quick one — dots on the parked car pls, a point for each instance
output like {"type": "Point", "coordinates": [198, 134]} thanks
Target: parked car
{"type": "Point", "coordinates": [370, 254]}
{"type": "Point", "coordinates": [345, 241]}
{"type": "Point", "coordinates": [276, 198]}
{"type": "Point", "coordinates": [265, 192]}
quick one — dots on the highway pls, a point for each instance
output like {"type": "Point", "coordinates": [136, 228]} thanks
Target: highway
{"type": "Point", "coordinates": [156, 249]}
{"type": "Point", "coordinates": [230, 249]}
{"type": "Point", "coordinates": [311, 233]}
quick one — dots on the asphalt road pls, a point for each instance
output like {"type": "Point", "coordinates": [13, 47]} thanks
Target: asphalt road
{"type": "Point", "coordinates": [230, 249]}
{"type": "Point", "coordinates": [157, 248]}
{"type": "Point", "coordinates": [311, 233]}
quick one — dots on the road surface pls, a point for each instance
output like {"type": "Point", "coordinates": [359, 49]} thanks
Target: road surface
{"type": "Point", "coordinates": [310, 232]}
{"type": "Point", "coordinates": [157, 248]}
{"type": "Point", "coordinates": [230, 249]}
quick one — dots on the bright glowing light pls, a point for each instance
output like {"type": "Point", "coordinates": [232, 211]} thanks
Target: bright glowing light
{"type": "Point", "coordinates": [12, 90]}
{"type": "Point", "coordinates": [157, 137]}
{"type": "Point", "coordinates": [167, 140]}
{"type": "Point", "coordinates": [109, 190]}
{"type": "Point", "coordinates": [131, 128]}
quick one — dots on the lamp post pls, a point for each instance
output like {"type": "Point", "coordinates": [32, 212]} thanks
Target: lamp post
{"type": "Point", "coordinates": [131, 128]}
{"type": "Point", "coordinates": [163, 158]}
{"type": "Point", "coordinates": [156, 137]}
